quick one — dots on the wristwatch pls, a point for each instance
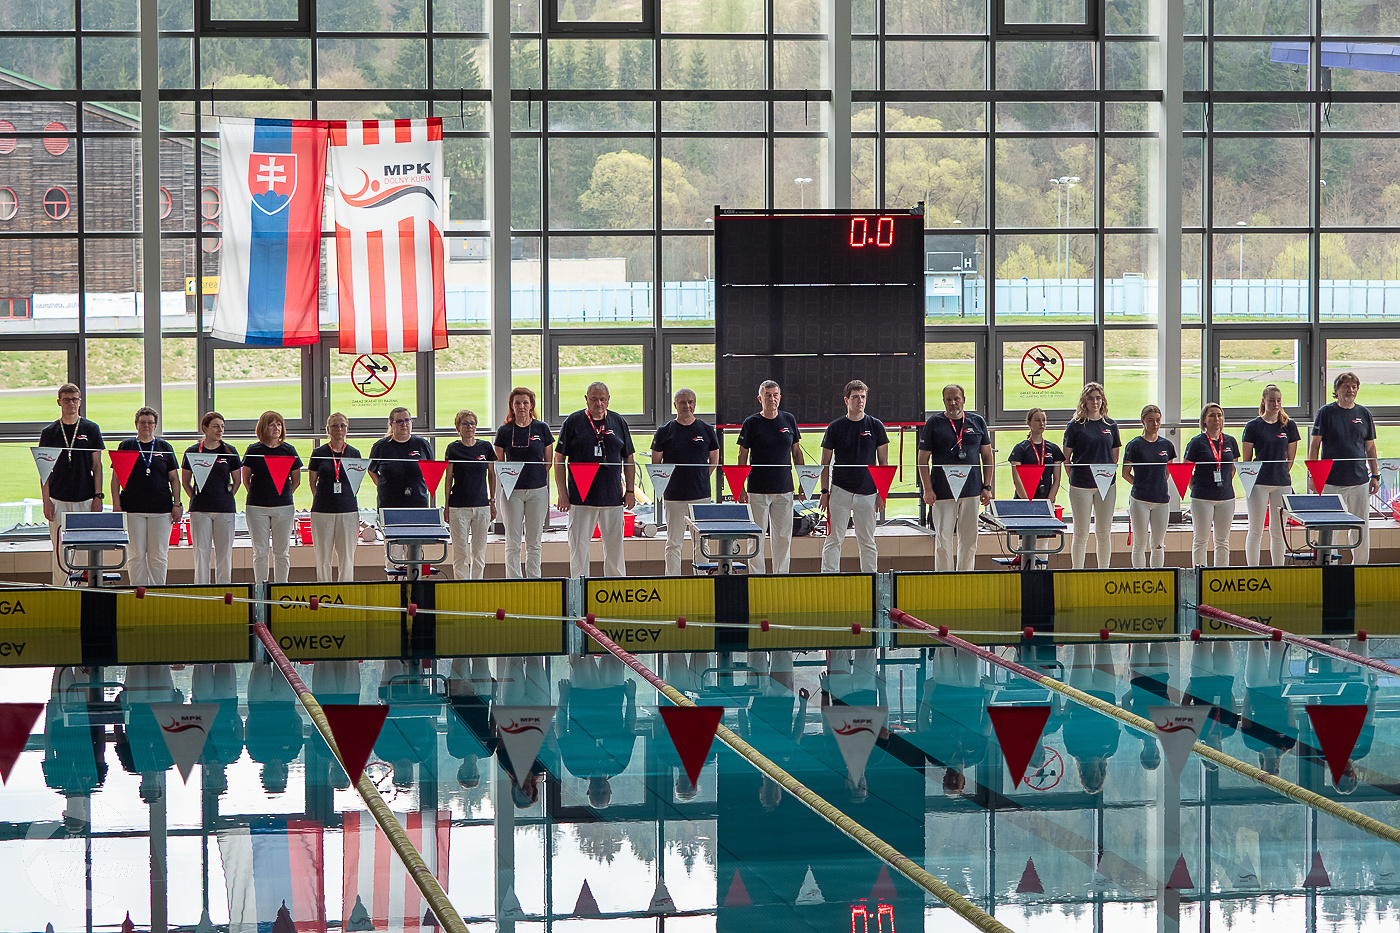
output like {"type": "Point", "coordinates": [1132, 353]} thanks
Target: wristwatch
{"type": "Point", "coordinates": [826, 492]}
{"type": "Point", "coordinates": [99, 495]}
{"type": "Point", "coordinates": [987, 487]}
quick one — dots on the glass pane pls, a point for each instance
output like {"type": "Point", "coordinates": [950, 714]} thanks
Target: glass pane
{"type": "Point", "coordinates": [946, 363]}
{"type": "Point", "coordinates": [1377, 362]}
{"type": "Point", "coordinates": [1193, 161]}
{"type": "Point", "coordinates": [945, 173]}
{"type": "Point", "coordinates": [1045, 182]}
{"type": "Point", "coordinates": [1130, 278]}
{"type": "Point", "coordinates": [113, 283]}
{"type": "Point", "coordinates": [1351, 193]}
{"type": "Point", "coordinates": [43, 171]}
{"type": "Point", "coordinates": [111, 395]}
{"type": "Point", "coordinates": [600, 184]}
{"type": "Point", "coordinates": [111, 184]}
{"type": "Point", "coordinates": [250, 382]}
{"type": "Point", "coordinates": [461, 374]}
{"type": "Point", "coordinates": [1046, 373]}
{"type": "Point", "coordinates": [1045, 66]}
{"type": "Point", "coordinates": [1192, 275]}
{"type": "Point", "coordinates": [35, 377]}
{"type": "Point", "coordinates": [1259, 66]}
{"type": "Point", "coordinates": [1129, 372]}
{"type": "Point", "coordinates": [525, 356]}
{"type": "Point", "coordinates": [936, 66]}
{"type": "Point", "coordinates": [369, 386]}
{"type": "Point", "coordinates": [177, 285]}
{"type": "Point", "coordinates": [704, 116]}
{"type": "Point", "coordinates": [731, 17]}
{"type": "Point", "coordinates": [1046, 117]}
{"type": "Point", "coordinates": [1246, 18]}
{"type": "Point", "coordinates": [687, 287]}
{"type": "Point", "coordinates": [1192, 374]}
{"type": "Point", "coordinates": [600, 281]}
{"type": "Point", "coordinates": [1263, 180]}
{"type": "Point", "coordinates": [1047, 279]}
{"type": "Point", "coordinates": [40, 286]}
{"type": "Point", "coordinates": [798, 65]}
{"type": "Point", "coordinates": [961, 17]}
{"type": "Point", "coordinates": [268, 12]}
{"type": "Point", "coordinates": [525, 271]}
{"type": "Point", "coordinates": [111, 63]}
{"type": "Point", "coordinates": [525, 184]}
{"type": "Point", "coordinates": [1360, 277]}
{"type": "Point", "coordinates": [44, 61]}
{"type": "Point", "coordinates": [800, 16]}
{"type": "Point", "coordinates": [954, 289]}
{"type": "Point", "coordinates": [1260, 276]}
{"type": "Point", "coordinates": [334, 16]}
{"type": "Point", "coordinates": [1045, 12]}
{"type": "Point", "coordinates": [287, 61]}
{"type": "Point", "coordinates": [177, 366]}
{"type": "Point", "coordinates": [354, 63]}
{"type": "Point", "coordinates": [697, 173]}
{"type": "Point", "coordinates": [799, 176]}
{"type": "Point", "coordinates": [1246, 366]}
{"type": "Point", "coordinates": [600, 64]}
{"type": "Point", "coordinates": [693, 367]}
{"type": "Point", "coordinates": [618, 365]}
{"type": "Point", "coordinates": [1127, 174]}
{"type": "Point", "coordinates": [589, 11]}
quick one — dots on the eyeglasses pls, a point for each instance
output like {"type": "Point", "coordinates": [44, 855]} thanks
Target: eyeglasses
{"type": "Point", "coordinates": [402, 421]}
{"type": "Point", "coordinates": [469, 424]}
{"type": "Point", "coordinates": [70, 399]}
{"type": "Point", "coordinates": [146, 422]}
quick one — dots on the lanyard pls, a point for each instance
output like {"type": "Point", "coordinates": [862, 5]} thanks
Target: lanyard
{"type": "Point", "coordinates": [1039, 454]}
{"type": "Point", "coordinates": [960, 431]}
{"type": "Point", "coordinates": [147, 456]}
{"type": "Point", "coordinates": [70, 441]}
{"type": "Point", "coordinates": [1219, 454]}
{"type": "Point", "coordinates": [336, 460]}
{"type": "Point", "coordinates": [598, 431]}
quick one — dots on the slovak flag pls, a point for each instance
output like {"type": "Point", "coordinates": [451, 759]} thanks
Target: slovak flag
{"type": "Point", "coordinates": [274, 182]}
{"type": "Point", "coordinates": [390, 210]}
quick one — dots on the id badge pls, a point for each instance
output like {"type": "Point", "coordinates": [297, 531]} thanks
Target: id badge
{"type": "Point", "coordinates": [335, 488]}
{"type": "Point", "coordinates": [598, 450]}
{"type": "Point", "coordinates": [1219, 478]}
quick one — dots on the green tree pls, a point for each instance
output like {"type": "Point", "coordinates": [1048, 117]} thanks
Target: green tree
{"type": "Point", "coordinates": [619, 193]}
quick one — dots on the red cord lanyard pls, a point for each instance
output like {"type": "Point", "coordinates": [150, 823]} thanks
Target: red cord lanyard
{"type": "Point", "coordinates": [1039, 454]}
{"type": "Point", "coordinates": [1219, 453]}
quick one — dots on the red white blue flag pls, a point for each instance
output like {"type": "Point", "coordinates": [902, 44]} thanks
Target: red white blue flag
{"type": "Point", "coordinates": [390, 209]}
{"type": "Point", "coordinates": [374, 876]}
{"type": "Point", "coordinates": [274, 179]}
{"type": "Point", "coordinates": [272, 863]}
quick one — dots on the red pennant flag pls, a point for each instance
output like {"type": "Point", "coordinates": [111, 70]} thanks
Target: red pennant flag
{"type": "Point", "coordinates": [127, 926]}
{"type": "Point", "coordinates": [587, 904]}
{"type": "Point", "coordinates": [1181, 877]}
{"type": "Point", "coordinates": [583, 474]}
{"type": "Point", "coordinates": [736, 477]}
{"type": "Point", "coordinates": [1337, 728]}
{"type": "Point", "coordinates": [884, 886]}
{"type": "Point", "coordinates": [1317, 875]}
{"type": "Point", "coordinates": [692, 730]}
{"type": "Point", "coordinates": [279, 468]}
{"type": "Point", "coordinates": [122, 462]}
{"type": "Point", "coordinates": [432, 472]}
{"type": "Point", "coordinates": [1319, 470]}
{"type": "Point", "coordinates": [884, 478]}
{"type": "Point", "coordinates": [1018, 729]}
{"type": "Point", "coordinates": [1181, 475]}
{"type": "Point", "coordinates": [16, 721]}
{"type": "Point", "coordinates": [1030, 880]}
{"type": "Point", "coordinates": [1030, 474]}
{"type": "Point", "coordinates": [356, 729]}
{"type": "Point", "coordinates": [738, 895]}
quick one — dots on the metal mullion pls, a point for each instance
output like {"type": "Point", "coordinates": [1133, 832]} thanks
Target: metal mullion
{"type": "Point", "coordinates": [545, 232]}
{"type": "Point", "coordinates": [659, 407]}
{"type": "Point", "coordinates": [580, 234]}
{"type": "Point", "coordinates": [770, 155]}
{"type": "Point", "coordinates": [1011, 96]}
{"type": "Point", "coordinates": [1100, 242]}
{"type": "Point", "coordinates": [744, 36]}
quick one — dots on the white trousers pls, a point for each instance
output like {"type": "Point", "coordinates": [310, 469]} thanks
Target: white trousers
{"type": "Point", "coordinates": [274, 524]}
{"type": "Point", "coordinates": [955, 533]}
{"type": "Point", "coordinates": [469, 526]}
{"type": "Point", "coordinates": [335, 534]}
{"type": "Point", "coordinates": [1148, 520]}
{"type": "Point", "coordinates": [1210, 524]}
{"type": "Point", "coordinates": [1086, 503]}
{"type": "Point", "coordinates": [772, 511]}
{"type": "Point", "coordinates": [676, 512]}
{"type": "Point", "coordinates": [146, 556]}
{"type": "Point", "coordinates": [842, 505]}
{"type": "Point", "coordinates": [523, 514]}
{"type": "Point", "coordinates": [60, 576]}
{"type": "Point", "coordinates": [1263, 500]}
{"type": "Point", "coordinates": [1357, 499]}
{"type": "Point", "coordinates": [211, 533]}
{"type": "Point", "coordinates": [609, 520]}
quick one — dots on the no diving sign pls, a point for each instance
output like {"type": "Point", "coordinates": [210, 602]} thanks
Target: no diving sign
{"type": "Point", "coordinates": [373, 375]}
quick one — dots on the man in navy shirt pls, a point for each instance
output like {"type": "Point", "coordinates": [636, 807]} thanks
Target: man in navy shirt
{"type": "Point", "coordinates": [854, 441]}
{"type": "Point", "coordinates": [1344, 433]}
{"type": "Point", "coordinates": [694, 447]}
{"type": "Point", "coordinates": [75, 482]}
{"type": "Point", "coordinates": [771, 438]}
{"type": "Point", "coordinates": [594, 435]}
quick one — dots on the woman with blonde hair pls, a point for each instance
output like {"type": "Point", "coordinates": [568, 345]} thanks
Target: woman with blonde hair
{"type": "Point", "coordinates": [271, 482]}
{"type": "Point", "coordinates": [1149, 504]}
{"type": "Point", "coordinates": [335, 507]}
{"type": "Point", "coordinates": [471, 497]}
{"type": "Point", "coordinates": [1092, 444]}
{"type": "Point", "coordinates": [1212, 487]}
{"type": "Point", "coordinates": [1273, 439]}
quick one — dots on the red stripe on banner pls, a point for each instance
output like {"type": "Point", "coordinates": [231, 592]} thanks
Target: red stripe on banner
{"type": "Point", "coordinates": [350, 844]}
{"type": "Point", "coordinates": [345, 285]}
{"type": "Point", "coordinates": [300, 325]}
{"type": "Point", "coordinates": [439, 282]}
{"type": "Point", "coordinates": [412, 897]}
{"type": "Point", "coordinates": [434, 129]}
{"type": "Point", "coordinates": [339, 133]}
{"type": "Point", "coordinates": [443, 832]}
{"type": "Point", "coordinates": [383, 858]}
{"type": "Point", "coordinates": [371, 132]}
{"type": "Point", "coordinates": [408, 285]}
{"type": "Point", "coordinates": [306, 842]}
{"type": "Point", "coordinates": [378, 319]}
{"type": "Point", "coordinates": [403, 131]}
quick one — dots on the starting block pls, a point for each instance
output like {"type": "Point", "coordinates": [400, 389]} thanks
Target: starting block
{"type": "Point", "coordinates": [720, 529]}
{"type": "Point", "coordinates": [1322, 518]}
{"type": "Point", "coordinates": [95, 534]}
{"type": "Point", "coordinates": [1025, 522]}
{"type": "Point", "coordinates": [407, 532]}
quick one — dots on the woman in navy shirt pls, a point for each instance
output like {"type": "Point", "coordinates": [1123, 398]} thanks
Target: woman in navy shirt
{"type": "Point", "coordinates": [1149, 505]}
{"type": "Point", "coordinates": [524, 506]}
{"type": "Point", "coordinates": [393, 464]}
{"type": "Point", "coordinates": [1092, 446]}
{"type": "Point", "coordinates": [1212, 487]}
{"type": "Point", "coordinates": [1273, 439]}
{"type": "Point", "coordinates": [471, 497]}
{"type": "Point", "coordinates": [151, 499]}
{"type": "Point", "coordinates": [210, 474]}
{"type": "Point", "coordinates": [335, 508]}
{"type": "Point", "coordinates": [269, 508]}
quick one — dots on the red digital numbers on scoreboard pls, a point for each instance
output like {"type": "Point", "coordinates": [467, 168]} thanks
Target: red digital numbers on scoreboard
{"type": "Point", "coordinates": [861, 234]}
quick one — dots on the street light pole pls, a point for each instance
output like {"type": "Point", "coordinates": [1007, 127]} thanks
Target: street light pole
{"type": "Point", "coordinates": [1065, 183]}
{"type": "Point", "coordinates": [1241, 223]}
{"type": "Point", "coordinates": [802, 184]}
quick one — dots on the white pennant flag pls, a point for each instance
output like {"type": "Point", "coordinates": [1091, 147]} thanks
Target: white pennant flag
{"type": "Point", "coordinates": [185, 728]}
{"type": "Point", "coordinates": [44, 459]}
{"type": "Point", "coordinates": [809, 474]}
{"type": "Point", "coordinates": [1103, 476]}
{"type": "Point", "coordinates": [957, 478]}
{"type": "Point", "coordinates": [200, 465]}
{"type": "Point", "coordinates": [810, 893]}
{"type": "Point", "coordinates": [1249, 475]}
{"type": "Point", "coordinates": [507, 475]}
{"type": "Point", "coordinates": [1390, 472]}
{"type": "Point", "coordinates": [856, 728]}
{"type": "Point", "coordinates": [1178, 728]}
{"type": "Point", "coordinates": [510, 905]}
{"type": "Point", "coordinates": [660, 474]}
{"type": "Point", "coordinates": [355, 470]}
{"type": "Point", "coordinates": [661, 902]}
{"type": "Point", "coordinates": [1100, 880]}
{"type": "Point", "coordinates": [522, 733]}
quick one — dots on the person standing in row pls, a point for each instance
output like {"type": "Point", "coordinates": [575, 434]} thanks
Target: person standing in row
{"type": "Point", "coordinates": [212, 505]}
{"type": "Point", "coordinates": [1091, 439]}
{"type": "Point", "coordinates": [955, 437]}
{"type": "Point", "coordinates": [1149, 504]}
{"type": "Point", "coordinates": [1212, 487]}
{"type": "Point", "coordinates": [771, 437]}
{"type": "Point", "coordinates": [335, 507]}
{"type": "Point", "coordinates": [75, 482]}
{"type": "Point", "coordinates": [853, 442]}
{"type": "Point", "coordinates": [525, 439]}
{"type": "Point", "coordinates": [269, 507]}
{"type": "Point", "coordinates": [471, 497]}
{"type": "Point", "coordinates": [151, 499]}
{"type": "Point", "coordinates": [1345, 433]}
{"type": "Point", "coordinates": [595, 435]}
{"type": "Point", "coordinates": [693, 444]}
{"type": "Point", "coordinates": [1272, 438]}
{"type": "Point", "coordinates": [1035, 450]}
{"type": "Point", "coordinates": [393, 464]}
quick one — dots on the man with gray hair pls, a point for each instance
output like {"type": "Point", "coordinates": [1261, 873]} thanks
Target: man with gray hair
{"type": "Point", "coordinates": [771, 437]}
{"type": "Point", "coordinates": [597, 440]}
{"type": "Point", "coordinates": [693, 447]}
